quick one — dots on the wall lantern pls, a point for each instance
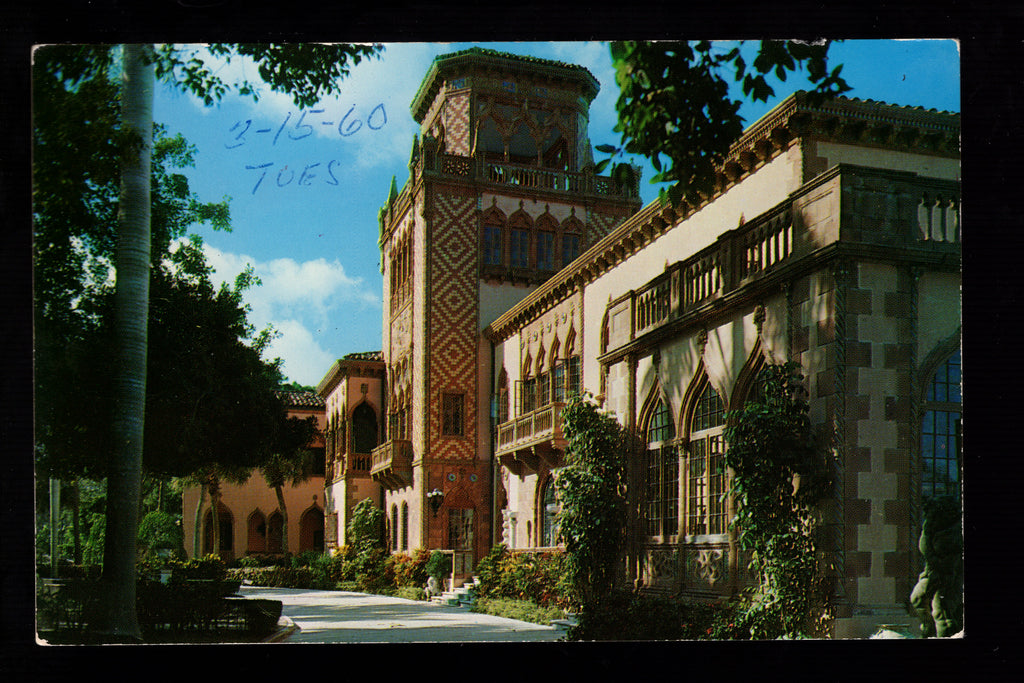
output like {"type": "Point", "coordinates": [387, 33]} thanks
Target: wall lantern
{"type": "Point", "coordinates": [435, 498]}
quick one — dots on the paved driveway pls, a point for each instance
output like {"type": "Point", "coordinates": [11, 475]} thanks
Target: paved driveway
{"type": "Point", "coordinates": [343, 617]}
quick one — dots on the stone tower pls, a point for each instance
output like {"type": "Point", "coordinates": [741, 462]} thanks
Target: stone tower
{"type": "Point", "coordinates": [501, 195]}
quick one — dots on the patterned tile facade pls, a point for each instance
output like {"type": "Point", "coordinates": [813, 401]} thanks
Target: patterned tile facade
{"type": "Point", "coordinates": [452, 319]}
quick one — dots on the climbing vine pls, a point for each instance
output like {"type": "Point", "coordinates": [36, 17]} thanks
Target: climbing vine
{"type": "Point", "coordinates": [591, 490]}
{"type": "Point", "coordinates": [778, 476]}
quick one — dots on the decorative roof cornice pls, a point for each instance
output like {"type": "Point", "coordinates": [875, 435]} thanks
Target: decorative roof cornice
{"type": "Point", "coordinates": [483, 57]}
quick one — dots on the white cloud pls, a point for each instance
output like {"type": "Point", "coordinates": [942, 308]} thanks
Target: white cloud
{"type": "Point", "coordinates": [304, 360]}
{"type": "Point", "coordinates": [299, 300]}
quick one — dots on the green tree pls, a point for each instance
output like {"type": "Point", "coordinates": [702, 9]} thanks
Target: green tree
{"type": "Point", "coordinates": [291, 464]}
{"type": "Point", "coordinates": [675, 109]}
{"type": "Point", "coordinates": [591, 492]}
{"type": "Point", "coordinates": [306, 72]}
{"type": "Point", "coordinates": [778, 476]}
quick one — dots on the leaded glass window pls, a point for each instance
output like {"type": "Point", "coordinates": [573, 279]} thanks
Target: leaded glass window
{"type": "Point", "coordinates": [549, 512]}
{"type": "Point", "coordinates": [940, 432]}
{"type": "Point", "coordinates": [573, 380]}
{"type": "Point", "coordinates": [520, 248]}
{"type": "Point", "coordinates": [543, 389]}
{"type": "Point", "coordinates": [662, 499]}
{"type": "Point", "coordinates": [570, 248]}
{"type": "Point", "coordinates": [545, 250]}
{"type": "Point", "coordinates": [558, 383]}
{"type": "Point", "coordinates": [706, 507]}
{"type": "Point", "coordinates": [492, 245]}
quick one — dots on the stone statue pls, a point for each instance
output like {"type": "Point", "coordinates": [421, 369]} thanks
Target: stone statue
{"type": "Point", "coordinates": [938, 596]}
{"type": "Point", "coordinates": [433, 587]}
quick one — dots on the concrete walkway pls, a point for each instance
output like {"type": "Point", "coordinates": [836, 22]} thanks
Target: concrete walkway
{"type": "Point", "coordinates": [343, 617]}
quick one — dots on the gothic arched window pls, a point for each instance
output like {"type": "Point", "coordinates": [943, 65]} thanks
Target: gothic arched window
{"type": "Point", "coordinates": [661, 501]}
{"type": "Point", "coordinates": [364, 428]}
{"type": "Point", "coordinates": [549, 514]}
{"type": "Point", "coordinates": [706, 511]}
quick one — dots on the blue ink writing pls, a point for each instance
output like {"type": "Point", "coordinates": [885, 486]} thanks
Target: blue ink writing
{"type": "Point", "coordinates": [313, 172]}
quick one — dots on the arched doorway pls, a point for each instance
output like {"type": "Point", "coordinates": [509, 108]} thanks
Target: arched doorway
{"type": "Point", "coordinates": [256, 537]}
{"type": "Point", "coordinates": [311, 530]}
{"type": "Point", "coordinates": [225, 522]}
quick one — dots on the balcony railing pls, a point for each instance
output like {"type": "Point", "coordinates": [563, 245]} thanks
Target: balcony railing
{"type": "Point", "coordinates": [392, 463]}
{"type": "Point", "coordinates": [854, 205]}
{"type": "Point", "coordinates": [537, 434]}
{"type": "Point", "coordinates": [537, 177]}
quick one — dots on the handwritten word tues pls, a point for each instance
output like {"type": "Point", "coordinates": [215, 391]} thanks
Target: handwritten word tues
{"type": "Point", "coordinates": [303, 174]}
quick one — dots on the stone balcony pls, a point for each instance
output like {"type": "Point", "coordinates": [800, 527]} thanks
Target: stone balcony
{"type": "Point", "coordinates": [527, 440]}
{"type": "Point", "coordinates": [392, 464]}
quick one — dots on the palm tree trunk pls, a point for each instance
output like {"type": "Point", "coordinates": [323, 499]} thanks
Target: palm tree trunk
{"type": "Point", "coordinates": [75, 502]}
{"type": "Point", "coordinates": [119, 622]}
{"type": "Point", "coordinates": [284, 518]}
{"type": "Point", "coordinates": [215, 517]}
{"type": "Point", "coordinates": [197, 529]}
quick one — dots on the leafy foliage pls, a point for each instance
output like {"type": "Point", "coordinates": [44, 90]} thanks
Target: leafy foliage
{"type": "Point", "coordinates": [591, 490]}
{"type": "Point", "coordinates": [159, 530]}
{"type": "Point", "coordinates": [366, 526]}
{"type": "Point", "coordinates": [304, 70]}
{"type": "Point", "coordinates": [674, 102]}
{"type": "Point", "coordinates": [439, 565]}
{"type": "Point", "coordinates": [778, 477]}
{"type": "Point", "coordinates": [537, 577]}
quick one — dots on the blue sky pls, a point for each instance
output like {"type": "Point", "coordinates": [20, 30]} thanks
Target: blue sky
{"type": "Point", "coordinates": [305, 186]}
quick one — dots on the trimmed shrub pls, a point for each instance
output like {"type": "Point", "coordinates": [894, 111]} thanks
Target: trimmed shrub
{"type": "Point", "coordinates": [523, 610]}
{"type": "Point", "coordinates": [411, 593]}
{"type": "Point", "coordinates": [538, 577]}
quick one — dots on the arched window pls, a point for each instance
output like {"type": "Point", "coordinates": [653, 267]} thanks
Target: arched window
{"type": "Point", "coordinates": [661, 502]}
{"type": "Point", "coordinates": [311, 530]}
{"type": "Point", "coordinates": [394, 527]}
{"type": "Point", "coordinates": [492, 237]}
{"type": "Point", "coordinates": [572, 231]}
{"type": "Point", "coordinates": [256, 537]}
{"type": "Point", "coordinates": [549, 514]}
{"type": "Point", "coordinates": [364, 428]}
{"type": "Point", "coordinates": [528, 388]}
{"type": "Point", "coordinates": [405, 525]}
{"type": "Point", "coordinates": [543, 380]}
{"type": "Point", "coordinates": [546, 230]}
{"type": "Point", "coordinates": [520, 227]}
{"type": "Point", "coordinates": [706, 511]}
{"type": "Point", "coordinates": [503, 397]}
{"type": "Point", "coordinates": [941, 459]}
{"type": "Point", "coordinates": [557, 375]}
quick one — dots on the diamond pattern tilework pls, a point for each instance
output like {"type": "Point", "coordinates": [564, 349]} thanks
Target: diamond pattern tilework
{"type": "Point", "coordinates": [457, 125]}
{"type": "Point", "coordinates": [452, 311]}
{"type": "Point", "coordinates": [599, 225]}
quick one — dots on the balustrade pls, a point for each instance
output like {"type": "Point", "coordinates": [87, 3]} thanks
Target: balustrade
{"type": "Point", "coordinates": [530, 176]}
{"type": "Point", "coordinates": [391, 462]}
{"type": "Point", "coordinates": [537, 426]}
{"type": "Point", "coordinates": [754, 250]}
